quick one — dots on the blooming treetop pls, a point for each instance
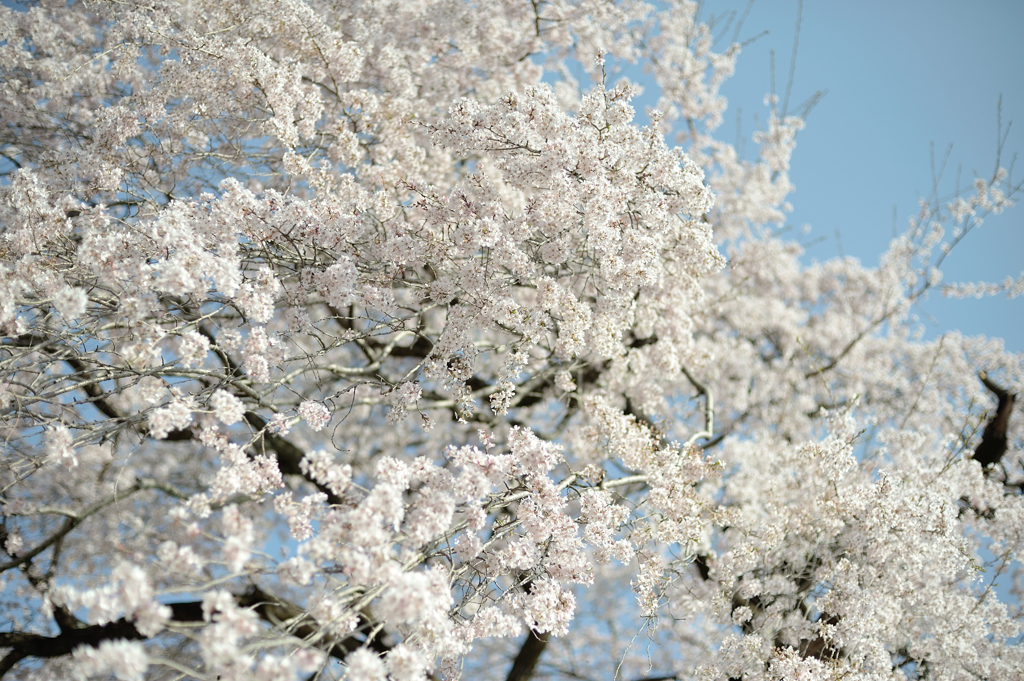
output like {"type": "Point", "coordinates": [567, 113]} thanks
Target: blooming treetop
{"type": "Point", "coordinates": [363, 340]}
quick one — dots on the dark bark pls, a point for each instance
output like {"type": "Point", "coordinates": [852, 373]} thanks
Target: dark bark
{"type": "Point", "coordinates": [816, 647]}
{"type": "Point", "coordinates": [289, 457]}
{"type": "Point", "coordinates": [270, 609]}
{"type": "Point", "coordinates": [44, 647]}
{"type": "Point", "coordinates": [993, 439]}
{"type": "Point", "coordinates": [700, 562]}
{"type": "Point", "coordinates": [529, 654]}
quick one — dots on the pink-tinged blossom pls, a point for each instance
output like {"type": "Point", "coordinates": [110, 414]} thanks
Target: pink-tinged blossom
{"type": "Point", "coordinates": [229, 339]}
{"type": "Point", "coordinates": [431, 514]}
{"type": "Point", "coordinates": [404, 398]}
{"type": "Point", "coordinates": [338, 282]}
{"type": "Point", "coordinates": [315, 414]}
{"type": "Point", "coordinates": [257, 296]}
{"type": "Point", "coordinates": [238, 538]}
{"type": "Point", "coordinates": [14, 542]}
{"type": "Point", "coordinates": [433, 231]}
{"type": "Point", "coordinates": [179, 560]}
{"type": "Point", "coordinates": [59, 446]}
{"type": "Point", "coordinates": [126, 660]}
{"type": "Point", "coordinates": [299, 515]}
{"type": "Point", "coordinates": [564, 382]}
{"type": "Point", "coordinates": [262, 353]}
{"type": "Point", "coordinates": [279, 425]}
{"type": "Point", "coordinates": [467, 546]}
{"type": "Point", "coordinates": [492, 621]}
{"type": "Point", "coordinates": [151, 618]}
{"type": "Point", "coordinates": [193, 348]}
{"type": "Point", "coordinates": [536, 457]}
{"type": "Point", "coordinates": [241, 472]}
{"type": "Point", "coordinates": [273, 668]}
{"type": "Point", "coordinates": [365, 665]}
{"type": "Point", "coordinates": [228, 408]}
{"type": "Point", "coordinates": [406, 664]}
{"type": "Point", "coordinates": [220, 642]}
{"type": "Point", "coordinates": [604, 518]}
{"type": "Point", "coordinates": [333, 615]}
{"type": "Point", "coordinates": [176, 415]}
{"type": "Point", "coordinates": [549, 607]}
{"type": "Point", "coordinates": [70, 302]}
{"type": "Point", "coordinates": [298, 571]}
{"type": "Point", "coordinates": [129, 593]}
{"type": "Point", "coordinates": [308, 660]}
{"type": "Point", "coordinates": [326, 470]}
{"type": "Point", "coordinates": [412, 596]}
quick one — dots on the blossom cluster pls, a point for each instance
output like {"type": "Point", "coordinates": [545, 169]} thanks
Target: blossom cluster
{"type": "Point", "coordinates": [379, 340]}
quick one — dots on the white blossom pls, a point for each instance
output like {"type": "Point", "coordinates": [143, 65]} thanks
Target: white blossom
{"type": "Point", "coordinates": [315, 414]}
{"type": "Point", "coordinates": [59, 446]}
{"type": "Point", "coordinates": [390, 331]}
{"type": "Point", "coordinates": [126, 660]}
{"type": "Point", "coordinates": [228, 408]}
{"type": "Point", "coordinates": [193, 348]}
{"type": "Point", "coordinates": [364, 664]}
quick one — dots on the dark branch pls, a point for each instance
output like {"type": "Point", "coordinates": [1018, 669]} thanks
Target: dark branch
{"type": "Point", "coordinates": [45, 647]}
{"type": "Point", "coordinates": [270, 609]}
{"type": "Point", "coordinates": [993, 439]}
{"type": "Point", "coordinates": [529, 654]}
{"type": "Point", "coordinates": [289, 456]}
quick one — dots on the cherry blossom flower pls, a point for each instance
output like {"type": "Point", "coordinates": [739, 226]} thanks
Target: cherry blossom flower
{"type": "Point", "coordinates": [577, 381]}
{"type": "Point", "coordinates": [315, 414]}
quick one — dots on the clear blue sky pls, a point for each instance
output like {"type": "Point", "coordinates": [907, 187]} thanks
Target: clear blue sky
{"type": "Point", "coordinates": [900, 75]}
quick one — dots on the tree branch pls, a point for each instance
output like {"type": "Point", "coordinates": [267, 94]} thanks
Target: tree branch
{"type": "Point", "coordinates": [526, 659]}
{"type": "Point", "coordinates": [273, 610]}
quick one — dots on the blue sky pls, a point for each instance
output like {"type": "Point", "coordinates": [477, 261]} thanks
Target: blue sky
{"type": "Point", "coordinates": [900, 75]}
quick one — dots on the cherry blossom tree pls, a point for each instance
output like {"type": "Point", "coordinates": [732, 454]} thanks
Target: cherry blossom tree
{"type": "Point", "coordinates": [382, 339]}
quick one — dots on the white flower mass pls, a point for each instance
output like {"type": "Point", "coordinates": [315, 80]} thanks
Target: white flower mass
{"type": "Point", "coordinates": [390, 341]}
